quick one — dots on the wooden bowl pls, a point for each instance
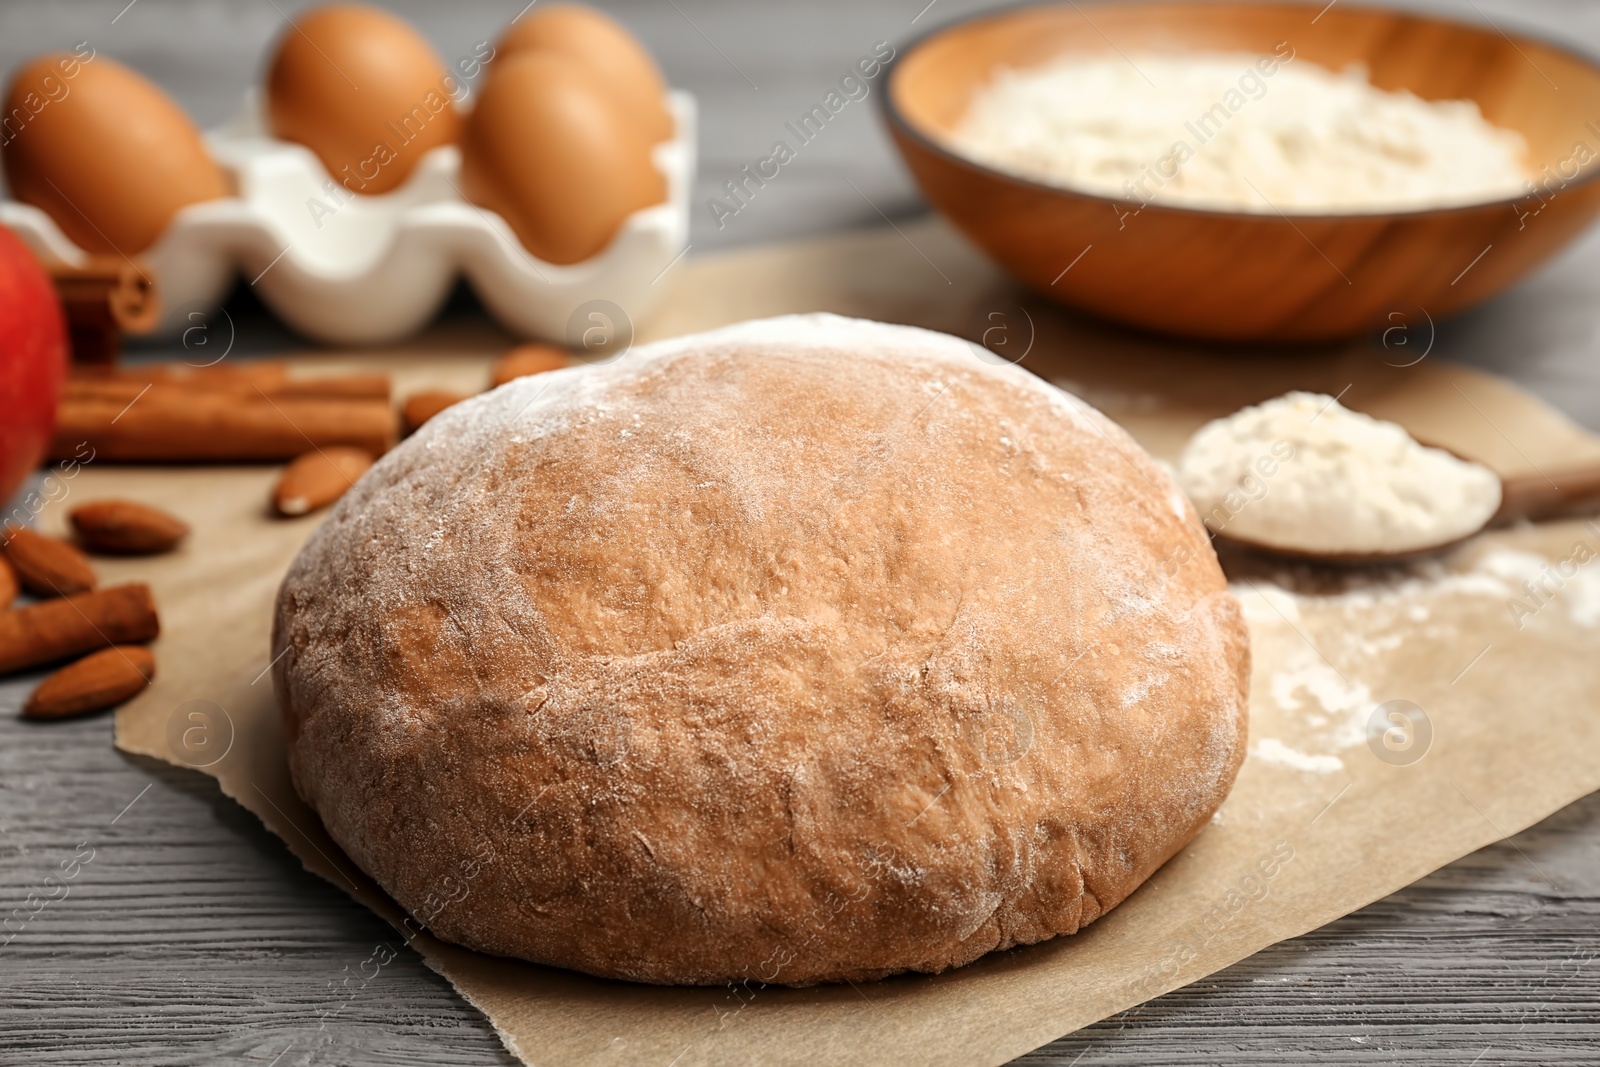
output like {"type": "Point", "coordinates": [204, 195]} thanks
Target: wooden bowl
{"type": "Point", "coordinates": [1238, 276]}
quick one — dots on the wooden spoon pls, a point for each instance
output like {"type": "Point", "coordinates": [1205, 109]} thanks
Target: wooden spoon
{"type": "Point", "coordinates": [1524, 497]}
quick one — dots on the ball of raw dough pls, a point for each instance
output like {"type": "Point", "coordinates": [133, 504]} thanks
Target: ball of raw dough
{"type": "Point", "coordinates": [809, 649]}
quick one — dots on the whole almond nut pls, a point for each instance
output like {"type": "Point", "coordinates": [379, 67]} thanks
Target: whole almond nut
{"type": "Point", "coordinates": [8, 584]}
{"type": "Point", "coordinates": [525, 360]}
{"type": "Point", "coordinates": [100, 680]}
{"type": "Point", "coordinates": [127, 528]}
{"type": "Point", "coordinates": [420, 407]}
{"type": "Point", "coordinates": [318, 478]}
{"type": "Point", "coordinates": [47, 566]}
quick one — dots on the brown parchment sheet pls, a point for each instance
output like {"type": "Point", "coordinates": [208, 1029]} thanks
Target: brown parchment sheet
{"type": "Point", "coordinates": [1326, 815]}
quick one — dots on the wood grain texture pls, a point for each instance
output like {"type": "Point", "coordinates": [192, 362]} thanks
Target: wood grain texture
{"type": "Point", "coordinates": [1569, 491]}
{"type": "Point", "coordinates": [193, 937]}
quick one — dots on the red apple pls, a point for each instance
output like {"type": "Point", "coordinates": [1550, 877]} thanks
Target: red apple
{"type": "Point", "coordinates": [33, 362]}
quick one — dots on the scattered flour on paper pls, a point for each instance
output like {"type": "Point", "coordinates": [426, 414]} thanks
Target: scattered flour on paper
{"type": "Point", "coordinates": [1331, 701]}
{"type": "Point", "coordinates": [1330, 707]}
{"type": "Point", "coordinates": [1271, 750]}
{"type": "Point", "coordinates": [1505, 573]}
{"type": "Point", "coordinates": [1537, 582]}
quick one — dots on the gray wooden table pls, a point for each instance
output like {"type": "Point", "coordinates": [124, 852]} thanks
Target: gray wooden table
{"type": "Point", "coordinates": [193, 937]}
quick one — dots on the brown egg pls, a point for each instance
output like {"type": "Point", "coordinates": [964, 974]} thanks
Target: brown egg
{"type": "Point", "coordinates": [600, 43]}
{"type": "Point", "coordinates": [364, 91]}
{"type": "Point", "coordinates": [548, 149]}
{"type": "Point", "coordinates": [102, 151]}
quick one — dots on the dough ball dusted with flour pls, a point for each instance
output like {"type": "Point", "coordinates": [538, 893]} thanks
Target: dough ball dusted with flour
{"type": "Point", "coordinates": [805, 650]}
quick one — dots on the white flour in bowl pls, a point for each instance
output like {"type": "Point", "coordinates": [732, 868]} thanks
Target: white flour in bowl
{"type": "Point", "coordinates": [1238, 133]}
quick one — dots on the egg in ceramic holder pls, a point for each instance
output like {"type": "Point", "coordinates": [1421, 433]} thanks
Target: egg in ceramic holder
{"type": "Point", "coordinates": [344, 268]}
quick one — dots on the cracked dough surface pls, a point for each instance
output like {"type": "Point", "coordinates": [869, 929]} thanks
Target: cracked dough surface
{"type": "Point", "coordinates": [803, 650]}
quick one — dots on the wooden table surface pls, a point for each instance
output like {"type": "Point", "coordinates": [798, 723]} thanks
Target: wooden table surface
{"type": "Point", "coordinates": [193, 937]}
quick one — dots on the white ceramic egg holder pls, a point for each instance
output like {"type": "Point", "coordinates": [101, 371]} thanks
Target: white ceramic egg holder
{"type": "Point", "coordinates": [349, 269]}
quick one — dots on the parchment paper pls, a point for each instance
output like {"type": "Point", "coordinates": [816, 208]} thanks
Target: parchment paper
{"type": "Point", "coordinates": [1324, 819]}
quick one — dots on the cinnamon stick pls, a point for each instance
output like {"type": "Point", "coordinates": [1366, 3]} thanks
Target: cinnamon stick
{"type": "Point", "coordinates": [105, 298]}
{"type": "Point", "coordinates": [59, 629]}
{"type": "Point", "coordinates": [353, 386]}
{"type": "Point", "coordinates": [263, 372]}
{"type": "Point", "coordinates": [190, 426]}
{"type": "Point", "coordinates": [126, 385]}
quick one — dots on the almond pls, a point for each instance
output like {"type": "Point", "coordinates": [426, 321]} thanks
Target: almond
{"type": "Point", "coordinates": [420, 407]}
{"type": "Point", "coordinates": [47, 566]}
{"type": "Point", "coordinates": [318, 478]}
{"type": "Point", "coordinates": [8, 584]}
{"type": "Point", "coordinates": [525, 360]}
{"type": "Point", "coordinates": [100, 680]}
{"type": "Point", "coordinates": [126, 528]}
